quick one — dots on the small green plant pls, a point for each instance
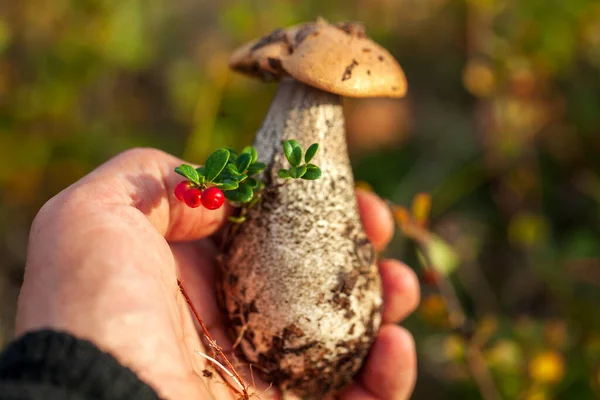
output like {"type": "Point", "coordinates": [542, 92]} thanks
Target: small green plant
{"type": "Point", "coordinates": [293, 153]}
{"type": "Point", "coordinates": [227, 174]}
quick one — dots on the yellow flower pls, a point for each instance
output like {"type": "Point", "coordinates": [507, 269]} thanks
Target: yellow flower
{"type": "Point", "coordinates": [547, 367]}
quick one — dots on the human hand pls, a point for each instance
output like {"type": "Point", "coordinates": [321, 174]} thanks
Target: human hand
{"type": "Point", "coordinates": [103, 261]}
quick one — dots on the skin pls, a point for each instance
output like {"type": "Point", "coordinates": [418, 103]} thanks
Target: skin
{"type": "Point", "coordinates": [103, 260]}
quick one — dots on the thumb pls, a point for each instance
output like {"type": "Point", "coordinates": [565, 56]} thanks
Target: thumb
{"type": "Point", "coordinates": [145, 179]}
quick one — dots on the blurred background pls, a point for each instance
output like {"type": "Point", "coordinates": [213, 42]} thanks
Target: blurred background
{"type": "Point", "coordinates": [491, 163]}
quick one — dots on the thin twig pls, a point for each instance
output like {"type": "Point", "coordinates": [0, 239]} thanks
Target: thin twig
{"type": "Point", "coordinates": [218, 364]}
{"type": "Point", "coordinates": [212, 343]}
{"type": "Point", "coordinates": [460, 322]}
{"type": "Point", "coordinates": [481, 374]}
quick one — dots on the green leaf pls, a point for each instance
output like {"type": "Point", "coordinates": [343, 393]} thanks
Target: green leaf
{"type": "Point", "coordinates": [259, 187]}
{"type": "Point", "coordinates": [239, 178]}
{"type": "Point", "coordinates": [296, 156]}
{"type": "Point", "coordinates": [189, 172]}
{"type": "Point", "coordinates": [232, 169]}
{"type": "Point", "coordinates": [228, 184]}
{"type": "Point", "coordinates": [242, 194]}
{"type": "Point", "coordinates": [234, 177]}
{"type": "Point", "coordinates": [310, 152]}
{"type": "Point", "coordinates": [254, 200]}
{"type": "Point", "coordinates": [243, 162]}
{"type": "Point", "coordinates": [288, 148]}
{"type": "Point", "coordinates": [283, 173]}
{"type": "Point", "coordinates": [237, 220]}
{"type": "Point", "coordinates": [215, 163]}
{"type": "Point", "coordinates": [297, 172]}
{"type": "Point", "coordinates": [312, 172]}
{"type": "Point", "coordinates": [233, 155]}
{"type": "Point", "coordinates": [200, 171]}
{"type": "Point", "coordinates": [251, 182]}
{"type": "Point", "coordinates": [293, 152]}
{"type": "Point", "coordinates": [179, 171]}
{"type": "Point", "coordinates": [253, 153]}
{"type": "Point", "coordinates": [256, 168]}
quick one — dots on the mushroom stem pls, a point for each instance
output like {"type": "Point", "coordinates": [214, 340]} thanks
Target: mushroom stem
{"type": "Point", "coordinates": [300, 282]}
{"type": "Point", "coordinates": [308, 115]}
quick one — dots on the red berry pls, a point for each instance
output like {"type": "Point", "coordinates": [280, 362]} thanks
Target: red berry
{"type": "Point", "coordinates": [213, 198]}
{"type": "Point", "coordinates": [193, 197]}
{"type": "Point", "coordinates": [181, 188]}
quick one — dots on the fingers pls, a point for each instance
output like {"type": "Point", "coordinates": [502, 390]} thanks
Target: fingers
{"type": "Point", "coordinates": [401, 290]}
{"type": "Point", "coordinates": [144, 179]}
{"type": "Point", "coordinates": [376, 218]}
{"type": "Point", "coordinates": [355, 392]}
{"type": "Point", "coordinates": [391, 368]}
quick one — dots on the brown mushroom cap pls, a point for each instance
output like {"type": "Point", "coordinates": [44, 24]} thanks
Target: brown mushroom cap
{"type": "Point", "coordinates": [335, 58]}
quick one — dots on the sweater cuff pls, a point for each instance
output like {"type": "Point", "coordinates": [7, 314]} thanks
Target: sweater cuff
{"type": "Point", "coordinates": [50, 360]}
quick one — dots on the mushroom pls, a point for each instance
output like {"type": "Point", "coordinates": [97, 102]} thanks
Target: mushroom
{"type": "Point", "coordinates": [300, 283]}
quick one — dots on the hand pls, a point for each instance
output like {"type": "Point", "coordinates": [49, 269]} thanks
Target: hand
{"type": "Point", "coordinates": [104, 256]}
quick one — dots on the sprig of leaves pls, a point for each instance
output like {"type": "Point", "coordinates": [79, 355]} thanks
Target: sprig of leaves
{"type": "Point", "coordinates": [293, 153]}
{"type": "Point", "coordinates": [236, 174]}
{"type": "Point", "coordinates": [229, 171]}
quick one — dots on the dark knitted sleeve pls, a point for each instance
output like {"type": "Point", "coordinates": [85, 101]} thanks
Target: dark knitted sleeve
{"type": "Point", "coordinates": [53, 365]}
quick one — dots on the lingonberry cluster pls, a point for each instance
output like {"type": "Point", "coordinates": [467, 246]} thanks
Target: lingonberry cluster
{"type": "Point", "coordinates": [235, 177]}
{"type": "Point", "coordinates": [211, 198]}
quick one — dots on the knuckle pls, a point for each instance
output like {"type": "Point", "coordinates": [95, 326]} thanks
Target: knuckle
{"type": "Point", "coordinates": [142, 153]}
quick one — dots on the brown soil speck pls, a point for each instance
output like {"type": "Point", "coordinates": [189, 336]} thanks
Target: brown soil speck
{"type": "Point", "coordinates": [380, 58]}
{"type": "Point", "coordinates": [340, 301]}
{"type": "Point", "coordinates": [304, 32]}
{"type": "Point", "coordinates": [369, 72]}
{"type": "Point", "coordinates": [348, 71]}
{"type": "Point", "coordinates": [365, 253]}
{"type": "Point", "coordinates": [346, 282]}
{"type": "Point", "coordinates": [274, 63]}
{"type": "Point", "coordinates": [292, 331]}
{"type": "Point", "coordinates": [252, 307]}
{"type": "Point", "coordinates": [232, 279]}
{"type": "Point", "coordinates": [320, 298]}
{"type": "Point", "coordinates": [207, 374]}
{"type": "Point", "coordinates": [352, 28]}
{"type": "Point", "coordinates": [276, 36]}
{"type": "Point", "coordinates": [366, 50]}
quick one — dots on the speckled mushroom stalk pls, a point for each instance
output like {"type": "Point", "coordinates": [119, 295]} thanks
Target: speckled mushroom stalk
{"type": "Point", "coordinates": [300, 283]}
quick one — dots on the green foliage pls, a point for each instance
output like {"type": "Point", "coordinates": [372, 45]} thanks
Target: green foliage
{"type": "Point", "coordinates": [189, 172]}
{"type": "Point", "coordinates": [283, 173]}
{"type": "Point", "coordinates": [312, 172]}
{"type": "Point", "coordinates": [228, 184]}
{"type": "Point", "coordinates": [297, 172]}
{"type": "Point", "coordinates": [243, 194]}
{"type": "Point", "coordinates": [237, 174]}
{"type": "Point", "coordinates": [256, 168]}
{"type": "Point", "coordinates": [216, 163]}
{"type": "Point", "coordinates": [311, 152]}
{"type": "Point", "coordinates": [293, 153]}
